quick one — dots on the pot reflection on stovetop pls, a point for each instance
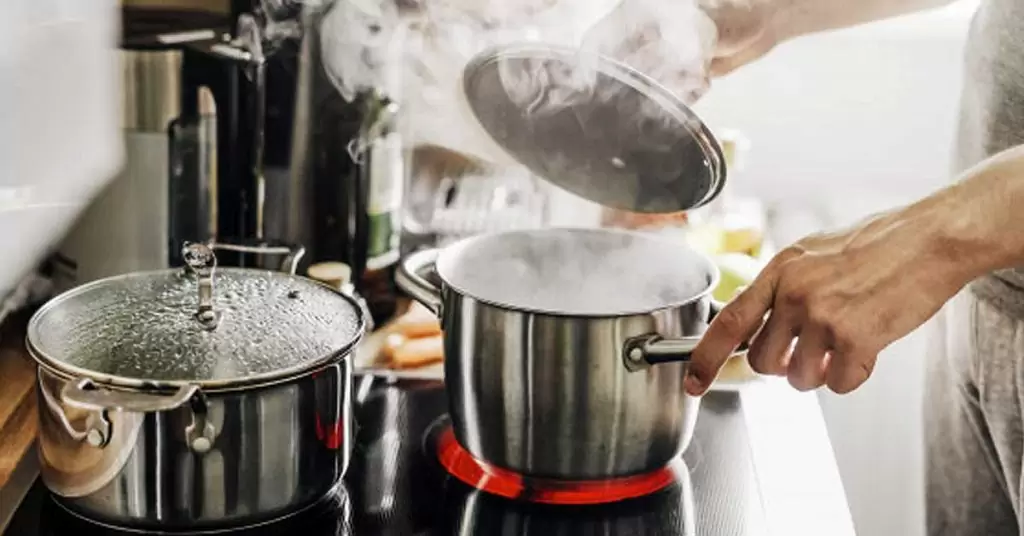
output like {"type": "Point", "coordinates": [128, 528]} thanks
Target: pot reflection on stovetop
{"type": "Point", "coordinates": [395, 487]}
{"type": "Point", "coordinates": [329, 517]}
{"type": "Point", "coordinates": [399, 488]}
{"type": "Point", "coordinates": [472, 513]}
{"type": "Point", "coordinates": [392, 487]}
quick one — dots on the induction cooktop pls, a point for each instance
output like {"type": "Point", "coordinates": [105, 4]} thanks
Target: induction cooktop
{"type": "Point", "coordinates": [397, 486]}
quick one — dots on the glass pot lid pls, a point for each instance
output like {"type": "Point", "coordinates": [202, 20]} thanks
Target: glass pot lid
{"type": "Point", "coordinates": [212, 327]}
{"type": "Point", "coordinates": [595, 127]}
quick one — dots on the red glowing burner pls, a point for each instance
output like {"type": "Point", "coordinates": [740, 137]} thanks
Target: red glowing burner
{"type": "Point", "coordinates": [504, 483]}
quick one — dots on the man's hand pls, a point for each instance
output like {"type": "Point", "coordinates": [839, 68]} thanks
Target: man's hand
{"type": "Point", "coordinates": [842, 298]}
{"type": "Point", "coordinates": [746, 32]}
{"type": "Point", "coordinates": [684, 43]}
{"type": "Point", "coordinates": [672, 41]}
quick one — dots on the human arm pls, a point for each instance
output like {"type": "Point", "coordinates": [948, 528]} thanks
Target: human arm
{"type": "Point", "coordinates": [845, 296]}
{"type": "Point", "coordinates": [749, 29]}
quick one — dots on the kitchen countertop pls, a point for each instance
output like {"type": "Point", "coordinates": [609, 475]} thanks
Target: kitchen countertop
{"type": "Point", "coordinates": [18, 419]}
{"type": "Point", "coordinates": [794, 461]}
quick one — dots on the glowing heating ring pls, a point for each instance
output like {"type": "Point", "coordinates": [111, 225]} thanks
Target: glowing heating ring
{"type": "Point", "coordinates": [504, 483]}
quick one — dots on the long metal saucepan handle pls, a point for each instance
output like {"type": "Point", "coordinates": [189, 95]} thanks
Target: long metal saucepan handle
{"type": "Point", "coordinates": [414, 274]}
{"type": "Point", "coordinates": [646, 350]}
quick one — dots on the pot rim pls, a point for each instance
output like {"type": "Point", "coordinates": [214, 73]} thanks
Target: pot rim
{"type": "Point", "coordinates": [447, 256]}
{"type": "Point", "coordinates": [276, 376]}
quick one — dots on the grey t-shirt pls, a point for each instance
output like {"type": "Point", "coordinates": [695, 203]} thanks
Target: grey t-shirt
{"type": "Point", "coordinates": [992, 116]}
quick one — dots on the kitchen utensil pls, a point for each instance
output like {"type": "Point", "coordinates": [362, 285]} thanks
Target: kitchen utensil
{"type": "Point", "coordinates": [198, 399]}
{"type": "Point", "coordinates": [595, 127]}
{"type": "Point", "coordinates": [549, 338]}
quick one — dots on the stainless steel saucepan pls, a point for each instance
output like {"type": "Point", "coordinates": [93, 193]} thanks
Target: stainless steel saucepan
{"type": "Point", "coordinates": [566, 349]}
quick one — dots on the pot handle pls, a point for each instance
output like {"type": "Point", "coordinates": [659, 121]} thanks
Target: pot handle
{"type": "Point", "coordinates": [414, 274]}
{"type": "Point", "coordinates": [645, 350]}
{"type": "Point", "coordinates": [290, 254]}
{"type": "Point", "coordinates": [85, 395]}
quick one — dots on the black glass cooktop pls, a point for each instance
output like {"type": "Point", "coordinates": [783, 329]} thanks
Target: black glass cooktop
{"type": "Point", "coordinates": [393, 488]}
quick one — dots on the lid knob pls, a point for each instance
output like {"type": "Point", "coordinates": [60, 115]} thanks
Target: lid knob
{"type": "Point", "coordinates": [201, 261]}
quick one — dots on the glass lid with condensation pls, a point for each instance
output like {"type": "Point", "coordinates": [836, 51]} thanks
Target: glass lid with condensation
{"type": "Point", "coordinates": [595, 127]}
{"type": "Point", "coordinates": [164, 326]}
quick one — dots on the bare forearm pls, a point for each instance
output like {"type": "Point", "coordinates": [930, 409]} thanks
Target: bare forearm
{"type": "Point", "coordinates": [979, 221]}
{"type": "Point", "coordinates": [801, 17]}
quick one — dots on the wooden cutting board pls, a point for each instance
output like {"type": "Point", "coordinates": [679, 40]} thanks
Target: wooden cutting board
{"type": "Point", "coordinates": [18, 417]}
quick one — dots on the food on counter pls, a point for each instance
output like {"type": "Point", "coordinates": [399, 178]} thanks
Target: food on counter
{"type": "Point", "coordinates": [418, 321]}
{"type": "Point", "coordinates": [335, 274]}
{"type": "Point", "coordinates": [412, 340]}
{"type": "Point", "coordinates": [636, 220]}
{"type": "Point", "coordinates": [416, 352]}
{"type": "Point", "coordinates": [736, 369]}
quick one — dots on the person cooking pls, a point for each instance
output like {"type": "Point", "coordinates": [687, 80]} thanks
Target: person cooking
{"type": "Point", "coordinates": [844, 296]}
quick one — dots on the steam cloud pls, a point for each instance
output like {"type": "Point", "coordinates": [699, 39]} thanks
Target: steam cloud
{"type": "Point", "coordinates": [417, 52]}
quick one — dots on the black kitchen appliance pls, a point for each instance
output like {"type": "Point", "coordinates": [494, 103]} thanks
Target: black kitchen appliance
{"type": "Point", "coordinates": [236, 133]}
{"type": "Point", "coordinates": [397, 487]}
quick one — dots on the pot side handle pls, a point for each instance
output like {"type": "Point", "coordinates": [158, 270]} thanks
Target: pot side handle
{"type": "Point", "coordinates": [413, 276]}
{"type": "Point", "coordinates": [641, 352]}
{"type": "Point", "coordinates": [85, 395]}
{"type": "Point", "coordinates": [290, 254]}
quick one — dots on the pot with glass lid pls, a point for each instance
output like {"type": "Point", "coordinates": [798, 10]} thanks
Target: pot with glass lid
{"type": "Point", "coordinates": [195, 399]}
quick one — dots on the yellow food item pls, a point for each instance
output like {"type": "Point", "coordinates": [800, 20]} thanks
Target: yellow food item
{"type": "Point", "coordinates": [705, 238]}
{"type": "Point", "coordinates": [737, 270]}
{"type": "Point", "coordinates": [335, 274]}
{"type": "Point", "coordinates": [742, 240]}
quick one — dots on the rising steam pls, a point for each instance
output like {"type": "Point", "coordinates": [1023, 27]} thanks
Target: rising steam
{"type": "Point", "coordinates": [417, 52]}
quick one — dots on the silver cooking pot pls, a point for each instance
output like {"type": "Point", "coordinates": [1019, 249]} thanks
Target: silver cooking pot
{"type": "Point", "coordinates": [566, 349]}
{"type": "Point", "coordinates": [195, 399]}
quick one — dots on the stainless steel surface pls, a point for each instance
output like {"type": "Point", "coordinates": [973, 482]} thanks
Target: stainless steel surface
{"type": "Point", "coordinates": [578, 271]}
{"type": "Point", "coordinates": [595, 127]}
{"type": "Point", "coordinates": [418, 278]}
{"type": "Point", "coordinates": [551, 395]}
{"type": "Point", "coordinates": [151, 89]}
{"type": "Point", "coordinates": [195, 452]}
{"type": "Point", "coordinates": [267, 452]}
{"type": "Point", "coordinates": [201, 261]}
{"type": "Point", "coordinates": [290, 255]}
{"type": "Point", "coordinates": [646, 350]}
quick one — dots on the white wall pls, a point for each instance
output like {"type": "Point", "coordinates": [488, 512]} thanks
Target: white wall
{"type": "Point", "coordinates": [843, 125]}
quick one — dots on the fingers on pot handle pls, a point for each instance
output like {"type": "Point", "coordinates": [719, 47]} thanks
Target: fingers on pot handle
{"type": "Point", "coordinates": [414, 276]}
{"type": "Point", "coordinates": [646, 350]}
{"type": "Point", "coordinates": [716, 307]}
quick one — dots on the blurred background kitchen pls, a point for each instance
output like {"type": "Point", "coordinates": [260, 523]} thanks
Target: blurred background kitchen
{"type": "Point", "coordinates": [338, 130]}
